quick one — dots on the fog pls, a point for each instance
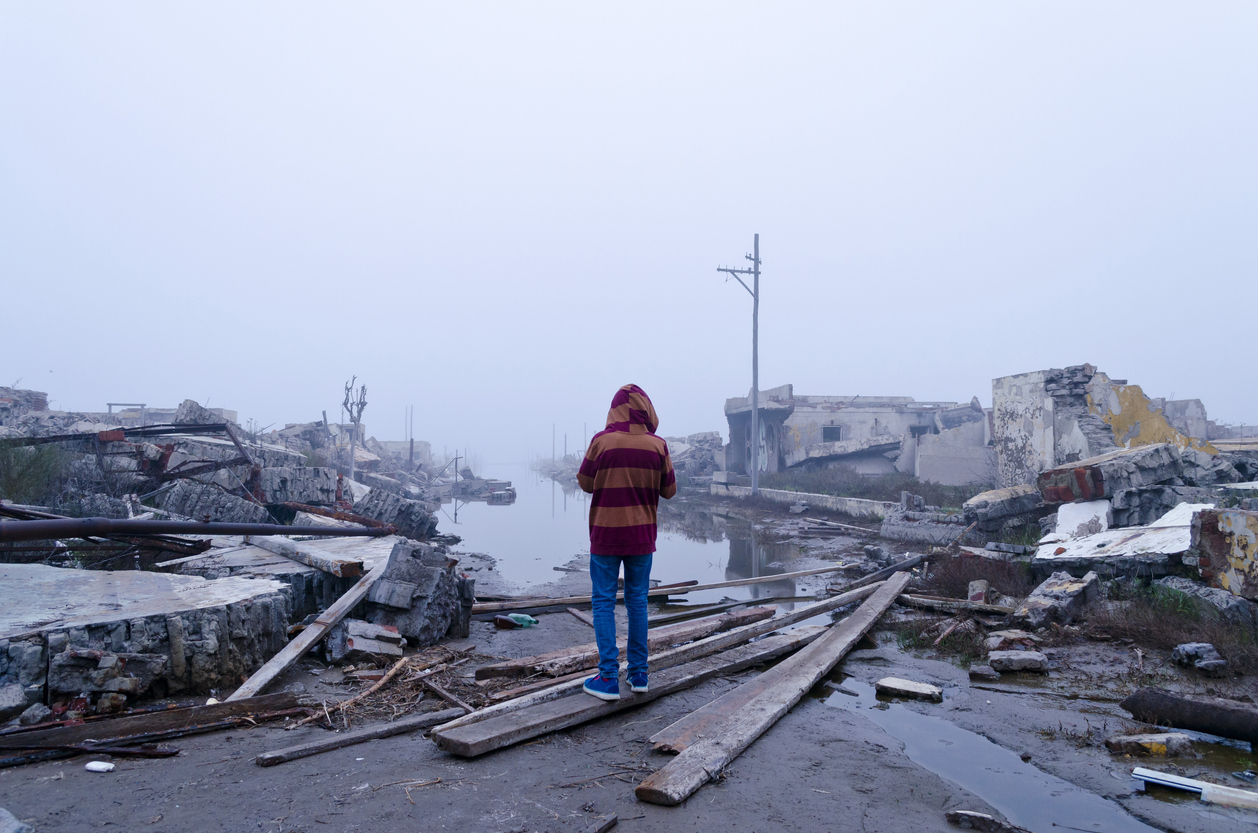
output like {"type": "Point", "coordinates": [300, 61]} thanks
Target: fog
{"type": "Point", "coordinates": [500, 213]}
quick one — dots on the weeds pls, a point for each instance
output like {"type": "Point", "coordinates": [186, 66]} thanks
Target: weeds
{"type": "Point", "coordinates": [847, 482]}
{"type": "Point", "coordinates": [35, 475]}
{"type": "Point", "coordinates": [950, 576]}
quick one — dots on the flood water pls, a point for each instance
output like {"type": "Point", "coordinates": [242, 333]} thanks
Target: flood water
{"type": "Point", "coordinates": [547, 526]}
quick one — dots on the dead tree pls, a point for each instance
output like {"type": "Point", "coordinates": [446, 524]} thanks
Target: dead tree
{"type": "Point", "coordinates": [353, 405]}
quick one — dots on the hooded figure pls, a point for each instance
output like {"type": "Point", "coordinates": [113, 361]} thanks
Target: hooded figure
{"type": "Point", "coordinates": [627, 470]}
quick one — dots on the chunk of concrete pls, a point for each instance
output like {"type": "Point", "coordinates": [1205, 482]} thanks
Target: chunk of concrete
{"type": "Point", "coordinates": [993, 509]}
{"type": "Point", "coordinates": [1144, 505]}
{"type": "Point", "coordinates": [12, 701]}
{"type": "Point", "coordinates": [984, 674]}
{"type": "Point", "coordinates": [977, 591]}
{"type": "Point", "coordinates": [353, 639]}
{"type": "Point", "coordinates": [10, 824]}
{"type": "Point", "coordinates": [409, 516]}
{"type": "Point", "coordinates": [1059, 599]}
{"type": "Point", "coordinates": [35, 713]}
{"type": "Point", "coordinates": [79, 670]}
{"type": "Point", "coordinates": [1213, 602]}
{"type": "Point", "coordinates": [1159, 745]}
{"type": "Point", "coordinates": [1018, 661]}
{"type": "Point", "coordinates": [1009, 640]}
{"type": "Point", "coordinates": [1104, 475]}
{"type": "Point", "coordinates": [896, 687]}
{"type": "Point", "coordinates": [1200, 655]}
{"type": "Point", "coordinates": [1088, 517]}
{"type": "Point", "coordinates": [199, 501]}
{"type": "Point", "coordinates": [434, 601]}
{"type": "Point", "coordinates": [1224, 543]}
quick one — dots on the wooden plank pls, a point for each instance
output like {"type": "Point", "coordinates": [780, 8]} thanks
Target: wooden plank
{"type": "Point", "coordinates": [448, 697]}
{"type": "Point", "coordinates": [342, 739]}
{"type": "Point", "coordinates": [483, 736]}
{"type": "Point", "coordinates": [582, 616]}
{"type": "Point", "coordinates": [708, 756]}
{"type": "Point", "coordinates": [938, 603]}
{"type": "Point", "coordinates": [146, 723]}
{"type": "Point", "coordinates": [570, 660]}
{"type": "Point", "coordinates": [521, 604]}
{"type": "Point", "coordinates": [306, 554]}
{"type": "Point", "coordinates": [306, 640]}
{"type": "Point", "coordinates": [884, 573]}
{"type": "Point", "coordinates": [681, 654]}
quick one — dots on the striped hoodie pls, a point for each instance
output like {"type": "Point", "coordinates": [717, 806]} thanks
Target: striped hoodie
{"type": "Point", "coordinates": [627, 469]}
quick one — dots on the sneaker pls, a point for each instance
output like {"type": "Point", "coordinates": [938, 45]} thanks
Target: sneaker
{"type": "Point", "coordinates": [637, 682]}
{"type": "Point", "coordinates": [602, 688]}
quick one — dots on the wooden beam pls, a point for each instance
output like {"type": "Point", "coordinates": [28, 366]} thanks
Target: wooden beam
{"type": "Point", "coordinates": [308, 555]}
{"type": "Point", "coordinates": [582, 616]}
{"type": "Point", "coordinates": [939, 603]}
{"type": "Point", "coordinates": [483, 736]}
{"type": "Point", "coordinates": [146, 723]}
{"type": "Point", "coordinates": [1214, 715]}
{"type": "Point", "coordinates": [521, 604]}
{"type": "Point", "coordinates": [708, 756]}
{"type": "Point", "coordinates": [885, 572]}
{"type": "Point", "coordinates": [342, 739]}
{"type": "Point", "coordinates": [679, 655]}
{"type": "Point", "coordinates": [306, 640]}
{"type": "Point", "coordinates": [570, 660]}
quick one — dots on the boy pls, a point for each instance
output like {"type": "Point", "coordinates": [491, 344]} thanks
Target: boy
{"type": "Point", "coordinates": [627, 469]}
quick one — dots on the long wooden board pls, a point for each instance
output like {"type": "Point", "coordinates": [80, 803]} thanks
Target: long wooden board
{"type": "Point", "coordinates": [885, 572]}
{"type": "Point", "coordinates": [483, 736]}
{"type": "Point", "coordinates": [577, 658]}
{"type": "Point", "coordinates": [708, 756]}
{"type": "Point", "coordinates": [939, 603]}
{"type": "Point", "coordinates": [309, 555]}
{"type": "Point", "coordinates": [306, 640]}
{"type": "Point", "coordinates": [684, 653]}
{"type": "Point", "coordinates": [146, 722]}
{"type": "Point", "coordinates": [342, 739]}
{"type": "Point", "coordinates": [521, 604]}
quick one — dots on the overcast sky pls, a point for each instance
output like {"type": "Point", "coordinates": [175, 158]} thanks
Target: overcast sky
{"type": "Point", "coordinates": [502, 212]}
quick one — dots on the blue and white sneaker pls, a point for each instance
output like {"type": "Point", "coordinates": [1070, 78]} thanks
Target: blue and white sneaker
{"type": "Point", "coordinates": [602, 688]}
{"type": "Point", "coordinates": [637, 682]}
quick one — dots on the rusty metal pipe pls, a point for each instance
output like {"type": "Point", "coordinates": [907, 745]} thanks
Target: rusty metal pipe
{"type": "Point", "coordinates": [12, 531]}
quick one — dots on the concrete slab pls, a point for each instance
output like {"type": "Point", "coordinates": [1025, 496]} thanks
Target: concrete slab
{"type": "Point", "coordinates": [1140, 550]}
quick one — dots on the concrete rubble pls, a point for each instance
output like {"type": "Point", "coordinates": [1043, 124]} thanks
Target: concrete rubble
{"type": "Point", "coordinates": [1157, 745]}
{"type": "Point", "coordinates": [1202, 656]}
{"type": "Point", "coordinates": [1058, 599]}
{"type": "Point", "coordinates": [1007, 661]}
{"type": "Point", "coordinates": [1151, 551]}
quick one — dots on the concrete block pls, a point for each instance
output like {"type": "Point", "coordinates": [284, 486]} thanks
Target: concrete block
{"type": "Point", "coordinates": [1009, 640]}
{"type": "Point", "coordinates": [1018, 661]}
{"type": "Point", "coordinates": [1225, 542]}
{"type": "Point", "coordinates": [984, 674]}
{"type": "Point", "coordinates": [12, 701]}
{"type": "Point", "coordinates": [1202, 656]}
{"type": "Point", "coordinates": [1058, 599]}
{"type": "Point", "coordinates": [1158, 745]}
{"type": "Point", "coordinates": [991, 510]}
{"type": "Point", "coordinates": [896, 687]}
{"type": "Point", "coordinates": [1104, 475]}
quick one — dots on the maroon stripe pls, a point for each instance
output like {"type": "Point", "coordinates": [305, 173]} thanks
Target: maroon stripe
{"type": "Point", "coordinates": [625, 538]}
{"type": "Point", "coordinates": [630, 458]}
{"type": "Point", "coordinates": [588, 467]}
{"type": "Point", "coordinates": [625, 496]}
{"type": "Point", "coordinates": [669, 479]}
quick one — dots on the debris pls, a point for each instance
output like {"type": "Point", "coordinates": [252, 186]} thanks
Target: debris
{"type": "Point", "coordinates": [1079, 520]}
{"type": "Point", "coordinates": [1200, 655]}
{"type": "Point", "coordinates": [984, 673]}
{"type": "Point", "coordinates": [1159, 745]}
{"type": "Point", "coordinates": [1214, 602]}
{"type": "Point", "coordinates": [1005, 640]}
{"type": "Point", "coordinates": [896, 687]}
{"type": "Point", "coordinates": [789, 682]}
{"type": "Point", "coordinates": [580, 657]}
{"type": "Point", "coordinates": [10, 824]}
{"type": "Point", "coordinates": [1213, 715]}
{"type": "Point", "coordinates": [1225, 544]}
{"type": "Point", "coordinates": [353, 640]}
{"type": "Point", "coordinates": [408, 517]}
{"type": "Point", "coordinates": [12, 700]}
{"type": "Point", "coordinates": [970, 820]}
{"type": "Point", "coordinates": [1009, 549]}
{"type": "Point", "coordinates": [884, 573]}
{"type": "Point", "coordinates": [99, 766]}
{"type": "Point", "coordinates": [1005, 510]}
{"type": "Point", "coordinates": [581, 616]}
{"type": "Point", "coordinates": [1144, 505]}
{"type": "Point", "coordinates": [936, 528]}
{"type": "Point", "coordinates": [940, 603]}
{"type": "Point", "coordinates": [602, 825]}
{"type": "Point", "coordinates": [1018, 661]}
{"type": "Point", "coordinates": [1058, 599]}
{"type": "Point", "coordinates": [1210, 793]}
{"type": "Point", "coordinates": [35, 714]}
{"type": "Point", "coordinates": [540, 601]}
{"type": "Point", "coordinates": [418, 593]}
{"type": "Point", "coordinates": [308, 554]}
{"type": "Point", "coordinates": [1101, 476]}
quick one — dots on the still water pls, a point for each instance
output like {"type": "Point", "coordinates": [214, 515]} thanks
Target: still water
{"type": "Point", "coordinates": [547, 526]}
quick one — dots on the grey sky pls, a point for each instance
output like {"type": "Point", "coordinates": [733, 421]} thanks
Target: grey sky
{"type": "Point", "coordinates": [502, 212]}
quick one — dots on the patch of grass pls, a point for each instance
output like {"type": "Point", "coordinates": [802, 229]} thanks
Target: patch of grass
{"type": "Point", "coordinates": [950, 576]}
{"type": "Point", "coordinates": [1160, 617]}
{"type": "Point", "coordinates": [34, 475]}
{"type": "Point", "coordinates": [845, 481]}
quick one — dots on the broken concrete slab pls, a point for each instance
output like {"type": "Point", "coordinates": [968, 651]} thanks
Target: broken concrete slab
{"type": "Point", "coordinates": [209, 634]}
{"type": "Point", "coordinates": [1058, 599]}
{"type": "Point", "coordinates": [1202, 656]}
{"type": "Point", "coordinates": [984, 674]}
{"type": "Point", "coordinates": [353, 639]}
{"type": "Point", "coordinates": [1144, 505]}
{"type": "Point", "coordinates": [1201, 468]}
{"type": "Point", "coordinates": [201, 502]}
{"type": "Point", "coordinates": [409, 516]}
{"type": "Point", "coordinates": [1214, 602]}
{"type": "Point", "coordinates": [1078, 520]}
{"type": "Point", "coordinates": [1224, 545]}
{"type": "Point", "coordinates": [936, 528]}
{"type": "Point", "coordinates": [896, 687]}
{"type": "Point", "coordinates": [994, 510]}
{"type": "Point", "coordinates": [298, 484]}
{"type": "Point", "coordinates": [1102, 476]}
{"type": "Point", "coordinates": [427, 577]}
{"type": "Point", "coordinates": [1009, 640]}
{"type": "Point", "coordinates": [1018, 661]}
{"type": "Point", "coordinates": [1158, 745]}
{"type": "Point", "coordinates": [1149, 551]}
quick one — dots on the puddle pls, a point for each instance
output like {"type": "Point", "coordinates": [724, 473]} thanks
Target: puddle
{"type": "Point", "coordinates": [1025, 794]}
{"type": "Point", "coordinates": [546, 527]}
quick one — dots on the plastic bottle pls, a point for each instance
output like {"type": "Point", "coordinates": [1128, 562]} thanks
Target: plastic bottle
{"type": "Point", "coordinates": [522, 619]}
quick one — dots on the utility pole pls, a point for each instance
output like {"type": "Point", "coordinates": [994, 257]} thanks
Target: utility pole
{"type": "Point", "coordinates": [754, 271]}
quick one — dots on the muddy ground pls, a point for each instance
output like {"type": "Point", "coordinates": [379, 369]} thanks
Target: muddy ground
{"type": "Point", "coordinates": [839, 761]}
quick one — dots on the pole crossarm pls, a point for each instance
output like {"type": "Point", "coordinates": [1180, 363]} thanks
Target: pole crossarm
{"type": "Point", "coordinates": [754, 273]}
{"type": "Point", "coordinates": [736, 273]}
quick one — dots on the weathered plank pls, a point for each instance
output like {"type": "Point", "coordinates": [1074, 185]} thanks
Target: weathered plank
{"type": "Point", "coordinates": [570, 660]}
{"type": "Point", "coordinates": [582, 617]}
{"type": "Point", "coordinates": [683, 653]}
{"type": "Point", "coordinates": [706, 757]}
{"type": "Point", "coordinates": [343, 739]}
{"type": "Point", "coordinates": [521, 604]}
{"type": "Point", "coordinates": [939, 603]}
{"type": "Point", "coordinates": [472, 739]}
{"type": "Point", "coordinates": [146, 723]}
{"type": "Point", "coordinates": [306, 640]}
{"type": "Point", "coordinates": [304, 553]}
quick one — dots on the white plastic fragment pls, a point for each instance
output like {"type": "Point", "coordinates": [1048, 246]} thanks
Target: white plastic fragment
{"type": "Point", "coordinates": [99, 766]}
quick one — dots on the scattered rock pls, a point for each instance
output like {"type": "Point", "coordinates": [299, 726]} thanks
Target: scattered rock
{"type": "Point", "coordinates": [12, 701]}
{"type": "Point", "coordinates": [897, 687]}
{"type": "Point", "coordinates": [10, 824]}
{"type": "Point", "coordinates": [34, 714]}
{"type": "Point", "coordinates": [1200, 655]}
{"type": "Point", "coordinates": [1161, 745]}
{"type": "Point", "coordinates": [1018, 661]}
{"type": "Point", "coordinates": [1058, 599]}
{"type": "Point", "coordinates": [1009, 640]}
{"type": "Point", "coordinates": [984, 674]}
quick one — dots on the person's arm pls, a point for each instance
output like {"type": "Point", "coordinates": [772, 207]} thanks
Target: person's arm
{"type": "Point", "coordinates": [668, 480]}
{"type": "Point", "coordinates": [589, 468]}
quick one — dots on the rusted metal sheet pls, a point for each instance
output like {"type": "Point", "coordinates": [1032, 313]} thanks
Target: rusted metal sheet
{"type": "Point", "coordinates": [1225, 542]}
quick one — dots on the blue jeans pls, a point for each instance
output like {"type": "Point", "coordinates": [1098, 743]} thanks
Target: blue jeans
{"type": "Point", "coordinates": [604, 570]}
